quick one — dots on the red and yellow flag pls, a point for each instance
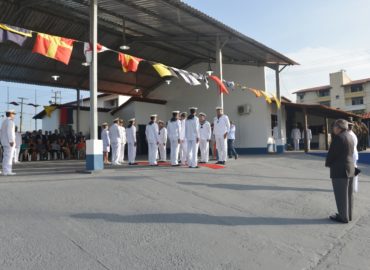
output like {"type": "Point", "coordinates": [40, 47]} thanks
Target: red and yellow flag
{"type": "Point", "coordinates": [267, 97]}
{"type": "Point", "coordinates": [220, 84]}
{"type": "Point", "coordinates": [256, 92]}
{"type": "Point", "coordinates": [54, 47]}
{"type": "Point", "coordinates": [129, 62]}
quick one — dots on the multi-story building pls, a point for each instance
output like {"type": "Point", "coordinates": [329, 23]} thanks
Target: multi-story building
{"type": "Point", "coordinates": [342, 93]}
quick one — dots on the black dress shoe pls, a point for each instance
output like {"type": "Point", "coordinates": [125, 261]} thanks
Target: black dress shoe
{"type": "Point", "coordinates": [131, 164]}
{"type": "Point", "coordinates": [218, 162]}
{"type": "Point", "coordinates": [177, 165]}
{"type": "Point", "coordinates": [337, 218]}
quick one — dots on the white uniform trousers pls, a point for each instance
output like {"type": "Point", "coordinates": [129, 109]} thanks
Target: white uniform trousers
{"type": "Point", "coordinates": [162, 152]}
{"type": "Point", "coordinates": [116, 150]}
{"type": "Point", "coordinates": [8, 159]}
{"type": "Point", "coordinates": [131, 149]}
{"type": "Point", "coordinates": [122, 153]}
{"type": "Point", "coordinates": [355, 179]}
{"type": "Point", "coordinates": [296, 144]}
{"type": "Point", "coordinates": [183, 152]}
{"type": "Point", "coordinates": [175, 147]}
{"type": "Point", "coordinates": [152, 153]}
{"type": "Point", "coordinates": [16, 154]}
{"type": "Point", "coordinates": [192, 153]}
{"type": "Point", "coordinates": [221, 145]}
{"type": "Point", "coordinates": [204, 150]}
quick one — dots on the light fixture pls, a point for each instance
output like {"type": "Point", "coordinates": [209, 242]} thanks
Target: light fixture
{"type": "Point", "coordinates": [209, 70]}
{"type": "Point", "coordinates": [137, 90]}
{"type": "Point", "coordinates": [168, 81]}
{"type": "Point", "coordinates": [55, 77]}
{"type": "Point", "coordinates": [86, 64]}
{"type": "Point", "coordinates": [124, 45]}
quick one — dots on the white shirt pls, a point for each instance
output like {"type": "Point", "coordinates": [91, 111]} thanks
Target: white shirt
{"type": "Point", "coordinates": [131, 134]}
{"type": "Point", "coordinates": [309, 134]}
{"type": "Point", "coordinates": [231, 134]}
{"type": "Point", "coordinates": [122, 132]}
{"type": "Point", "coordinates": [7, 134]}
{"type": "Point", "coordinates": [163, 136]}
{"type": "Point", "coordinates": [192, 129]}
{"type": "Point", "coordinates": [355, 142]}
{"type": "Point", "coordinates": [174, 129]}
{"type": "Point", "coordinates": [205, 131]}
{"type": "Point", "coordinates": [115, 134]}
{"type": "Point", "coordinates": [221, 125]}
{"type": "Point", "coordinates": [105, 137]}
{"type": "Point", "coordinates": [151, 132]}
{"type": "Point", "coordinates": [296, 134]}
{"type": "Point", "coordinates": [182, 130]}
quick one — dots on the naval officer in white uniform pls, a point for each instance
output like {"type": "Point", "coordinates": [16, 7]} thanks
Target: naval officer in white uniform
{"type": "Point", "coordinates": [131, 141]}
{"type": "Point", "coordinates": [162, 142]}
{"type": "Point", "coordinates": [221, 128]}
{"type": "Point", "coordinates": [183, 142]}
{"type": "Point", "coordinates": [115, 140]}
{"type": "Point", "coordinates": [106, 142]}
{"type": "Point", "coordinates": [296, 136]}
{"type": "Point", "coordinates": [205, 132]}
{"type": "Point", "coordinates": [152, 136]}
{"type": "Point", "coordinates": [174, 135]}
{"type": "Point", "coordinates": [122, 131]}
{"type": "Point", "coordinates": [7, 137]}
{"type": "Point", "coordinates": [192, 137]}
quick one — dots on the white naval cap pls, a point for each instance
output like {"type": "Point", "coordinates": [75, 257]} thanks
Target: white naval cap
{"type": "Point", "coordinates": [104, 124]}
{"type": "Point", "coordinates": [153, 115]}
{"type": "Point", "coordinates": [10, 111]}
{"type": "Point", "coordinates": [160, 122]}
{"type": "Point", "coordinates": [116, 120]}
{"type": "Point", "coordinates": [219, 108]}
{"type": "Point", "coordinates": [175, 111]}
{"type": "Point", "coordinates": [202, 113]}
{"type": "Point", "coordinates": [193, 108]}
{"type": "Point", "coordinates": [132, 120]}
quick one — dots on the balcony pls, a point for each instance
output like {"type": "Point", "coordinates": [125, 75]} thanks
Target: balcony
{"type": "Point", "coordinates": [354, 94]}
{"type": "Point", "coordinates": [355, 107]}
{"type": "Point", "coordinates": [323, 99]}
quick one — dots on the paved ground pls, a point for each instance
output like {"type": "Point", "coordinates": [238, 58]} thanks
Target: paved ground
{"type": "Point", "coordinates": [261, 212]}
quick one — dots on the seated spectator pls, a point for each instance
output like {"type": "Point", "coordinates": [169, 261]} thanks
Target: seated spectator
{"type": "Point", "coordinates": [55, 149]}
{"type": "Point", "coordinates": [24, 150]}
{"type": "Point", "coordinates": [41, 150]}
{"type": "Point", "coordinates": [81, 148]}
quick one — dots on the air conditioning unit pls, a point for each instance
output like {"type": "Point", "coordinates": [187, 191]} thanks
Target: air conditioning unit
{"type": "Point", "coordinates": [244, 109]}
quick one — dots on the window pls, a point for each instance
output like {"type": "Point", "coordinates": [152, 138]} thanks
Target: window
{"type": "Point", "coordinates": [111, 103]}
{"type": "Point", "coordinates": [324, 93]}
{"type": "Point", "coordinates": [300, 96]}
{"type": "Point", "coordinates": [357, 101]}
{"type": "Point", "coordinates": [337, 96]}
{"type": "Point", "coordinates": [325, 103]}
{"type": "Point", "coordinates": [358, 112]}
{"type": "Point", "coordinates": [356, 88]}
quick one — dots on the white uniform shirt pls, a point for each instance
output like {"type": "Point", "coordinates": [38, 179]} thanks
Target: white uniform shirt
{"type": "Point", "coordinates": [296, 134]}
{"type": "Point", "coordinates": [231, 134]}
{"type": "Point", "coordinates": [309, 134]}
{"type": "Point", "coordinates": [205, 131]}
{"type": "Point", "coordinates": [162, 136]}
{"type": "Point", "coordinates": [174, 129]}
{"type": "Point", "coordinates": [105, 137]}
{"type": "Point", "coordinates": [122, 132]}
{"type": "Point", "coordinates": [151, 132]}
{"type": "Point", "coordinates": [182, 130]}
{"type": "Point", "coordinates": [131, 134]}
{"type": "Point", "coordinates": [192, 129]}
{"type": "Point", "coordinates": [7, 134]}
{"type": "Point", "coordinates": [115, 134]}
{"type": "Point", "coordinates": [355, 142]}
{"type": "Point", "coordinates": [221, 125]}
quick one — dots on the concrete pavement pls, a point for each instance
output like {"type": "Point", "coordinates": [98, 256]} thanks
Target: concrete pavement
{"type": "Point", "coordinates": [260, 212]}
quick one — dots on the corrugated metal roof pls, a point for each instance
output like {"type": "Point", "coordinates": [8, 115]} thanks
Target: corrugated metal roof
{"type": "Point", "coordinates": [313, 89]}
{"type": "Point", "coordinates": [166, 31]}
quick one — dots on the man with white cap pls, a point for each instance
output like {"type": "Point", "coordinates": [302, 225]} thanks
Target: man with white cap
{"type": "Point", "coordinates": [152, 136]}
{"type": "Point", "coordinates": [205, 137]}
{"type": "Point", "coordinates": [296, 136]}
{"type": "Point", "coordinates": [115, 140]}
{"type": "Point", "coordinates": [183, 143]}
{"type": "Point", "coordinates": [122, 131]}
{"type": "Point", "coordinates": [106, 142]}
{"type": "Point", "coordinates": [174, 135]}
{"type": "Point", "coordinates": [221, 129]}
{"type": "Point", "coordinates": [162, 142]}
{"type": "Point", "coordinates": [131, 141]}
{"type": "Point", "coordinates": [192, 137]}
{"type": "Point", "coordinates": [7, 137]}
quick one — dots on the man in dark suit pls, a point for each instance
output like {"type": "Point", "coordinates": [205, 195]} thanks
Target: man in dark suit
{"type": "Point", "coordinates": [340, 162]}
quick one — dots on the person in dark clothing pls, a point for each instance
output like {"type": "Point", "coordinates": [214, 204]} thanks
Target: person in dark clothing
{"type": "Point", "coordinates": [342, 170]}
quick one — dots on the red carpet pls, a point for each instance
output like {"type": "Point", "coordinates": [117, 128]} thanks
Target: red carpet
{"type": "Point", "coordinates": [167, 164]}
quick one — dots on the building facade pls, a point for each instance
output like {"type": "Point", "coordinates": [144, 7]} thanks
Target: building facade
{"type": "Point", "coordinates": [342, 93]}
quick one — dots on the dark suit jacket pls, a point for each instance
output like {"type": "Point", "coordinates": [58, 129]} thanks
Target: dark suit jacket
{"type": "Point", "coordinates": [340, 156]}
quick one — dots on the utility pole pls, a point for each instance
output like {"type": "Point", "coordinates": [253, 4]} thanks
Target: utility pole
{"type": "Point", "coordinates": [21, 116]}
{"type": "Point", "coordinates": [56, 97]}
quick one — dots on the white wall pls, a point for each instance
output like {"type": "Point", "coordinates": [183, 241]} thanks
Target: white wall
{"type": "Point", "coordinates": [144, 110]}
{"type": "Point", "coordinates": [252, 130]}
{"type": "Point", "coordinates": [127, 112]}
{"type": "Point", "coordinates": [51, 123]}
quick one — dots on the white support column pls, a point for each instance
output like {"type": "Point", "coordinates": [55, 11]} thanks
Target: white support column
{"type": "Point", "coordinates": [94, 147]}
{"type": "Point", "coordinates": [280, 144]}
{"type": "Point", "coordinates": [219, 67]}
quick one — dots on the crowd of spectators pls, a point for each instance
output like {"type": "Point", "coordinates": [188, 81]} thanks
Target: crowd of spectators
{"type": "Point", "coordinates": [39, 145]}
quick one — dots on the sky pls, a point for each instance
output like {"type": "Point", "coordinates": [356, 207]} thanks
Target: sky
{"type": "Point", "coordinates": [323, 36]}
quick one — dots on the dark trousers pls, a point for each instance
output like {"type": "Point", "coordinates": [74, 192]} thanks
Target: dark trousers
{"type": "Point", "coordinates": [231, 148]}
{"type": "Point", "coordinates": [343, 192]}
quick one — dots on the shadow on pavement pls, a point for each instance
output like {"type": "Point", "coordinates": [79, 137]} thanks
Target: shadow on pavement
{"type": "Point", "coordinates": [254, 187]}
{"type": "Point", "coordinates": [191, 218]}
